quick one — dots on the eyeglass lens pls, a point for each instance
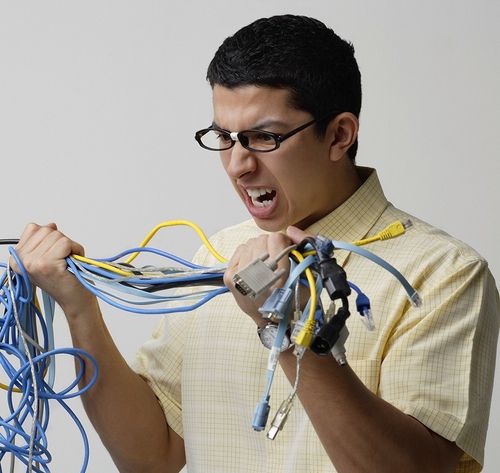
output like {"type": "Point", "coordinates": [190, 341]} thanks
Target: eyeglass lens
{"type": "Point", "coordinates": [256, 140]}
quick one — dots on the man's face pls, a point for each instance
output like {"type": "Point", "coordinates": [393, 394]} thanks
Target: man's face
{"type": "Point", "coordinates": [292, 185]}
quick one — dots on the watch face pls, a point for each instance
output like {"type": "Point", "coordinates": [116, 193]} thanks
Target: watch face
{"type": "Point", "coordinates": [268, 335]}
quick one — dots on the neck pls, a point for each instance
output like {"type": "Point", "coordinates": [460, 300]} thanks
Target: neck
{"type": "Point", "coordinates": [352, 179]}
{"type": "Point", "coordinates": [347, 180]}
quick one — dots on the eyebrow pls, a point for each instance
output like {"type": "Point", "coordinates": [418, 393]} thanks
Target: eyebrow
{"type": "Point", "coordinates": [259, 125]}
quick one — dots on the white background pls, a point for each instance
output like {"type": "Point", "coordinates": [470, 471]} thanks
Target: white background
{"type": "Point", "coordinates": [99, 101]}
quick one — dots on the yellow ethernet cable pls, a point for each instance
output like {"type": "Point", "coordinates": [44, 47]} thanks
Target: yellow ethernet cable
{"type": "Point", "coordinates": [393, 230]}
{"type": "Point", "coordinates": [102, 265]}
{"type": "Point", "coordinates": [173, 223]}
{"type": "Point", "coordinates": [146, 240]}
{"type": "Point", "coordinates": [305, 336]}
{"type": "Point", "coordinates": [6, 388]}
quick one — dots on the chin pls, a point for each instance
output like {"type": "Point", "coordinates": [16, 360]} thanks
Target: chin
{"type": "Point", "coordinates": [270, 225]}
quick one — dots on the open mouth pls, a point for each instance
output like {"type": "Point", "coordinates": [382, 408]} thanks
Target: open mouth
{"type": "Point", "coordinates": [261, 197]}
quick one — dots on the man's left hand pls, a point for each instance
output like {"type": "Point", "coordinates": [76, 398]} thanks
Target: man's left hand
{"type": "Point", "coordinates": [271, 244]}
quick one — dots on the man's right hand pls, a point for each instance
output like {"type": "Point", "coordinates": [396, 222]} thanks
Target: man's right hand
{"type": "Point", "coordinates": [43, 250]}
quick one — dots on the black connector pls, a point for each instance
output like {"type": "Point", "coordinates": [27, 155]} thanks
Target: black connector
{"type": "Point", "coordinates": [9, 241]}
{"type": "Point", "coordinates": [328, 335]}
{"type": "Point", "coordinates": [334, 279]}
{"type": "Point", "coordinates": [332, 274]}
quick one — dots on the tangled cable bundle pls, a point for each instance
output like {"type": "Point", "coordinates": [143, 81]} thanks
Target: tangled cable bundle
{"type": "Point", "coordinates": [27, 349]}
{"type": "Point", "coordinates": [27, 359]}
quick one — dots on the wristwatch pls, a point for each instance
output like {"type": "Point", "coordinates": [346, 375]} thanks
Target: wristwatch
{"type": "Point", "coordinates": [267, 335]}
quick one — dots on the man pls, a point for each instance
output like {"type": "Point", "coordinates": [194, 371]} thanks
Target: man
{"type": "Point", "coordinates": [415, 395]}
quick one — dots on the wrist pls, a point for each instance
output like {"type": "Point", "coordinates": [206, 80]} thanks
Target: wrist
{"type": "Point", "coordinates": [268, 334]}
{"type": "Point", "coordinates": [84, 306]}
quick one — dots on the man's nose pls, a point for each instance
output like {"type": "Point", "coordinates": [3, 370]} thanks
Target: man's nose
{"type": "Point", "coordinates": [241, 161]}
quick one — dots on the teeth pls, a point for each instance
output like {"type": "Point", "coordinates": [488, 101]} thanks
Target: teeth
{"type": "Point", "coordinates": [254, 194]}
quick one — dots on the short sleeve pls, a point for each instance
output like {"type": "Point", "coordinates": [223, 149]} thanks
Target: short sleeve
{"type": "Point", "coordinates": [439, 362]}
{"type": "Point", "coordinates": [159, 360]}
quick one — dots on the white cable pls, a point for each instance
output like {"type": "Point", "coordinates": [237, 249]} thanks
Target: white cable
{"type": "Point", "coordinates": [32, 369]}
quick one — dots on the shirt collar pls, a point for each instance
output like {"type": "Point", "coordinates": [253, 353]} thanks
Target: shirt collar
{"type": "Point", "coordinates": [353, 219]}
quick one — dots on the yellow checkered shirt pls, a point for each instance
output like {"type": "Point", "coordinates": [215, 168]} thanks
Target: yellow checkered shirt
{"type": "Point", "coordinates": [435, 362]}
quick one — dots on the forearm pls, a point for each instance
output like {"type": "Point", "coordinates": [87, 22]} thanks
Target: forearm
{"type": "Point", "coordinates": [361, 432]}
{"type": "Point", "coordinates": [121, 406]}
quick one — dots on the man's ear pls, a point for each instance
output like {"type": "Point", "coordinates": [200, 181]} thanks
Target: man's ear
{"type": "Point", "coordinates": [342, 132]}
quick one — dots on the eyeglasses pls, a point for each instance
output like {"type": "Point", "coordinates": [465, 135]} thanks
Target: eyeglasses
{"type": "Point", "coordinates": [214, 138]}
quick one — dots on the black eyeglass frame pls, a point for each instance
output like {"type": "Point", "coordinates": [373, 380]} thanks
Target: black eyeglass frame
{"type": "Point", "coordinates": [243, 140]}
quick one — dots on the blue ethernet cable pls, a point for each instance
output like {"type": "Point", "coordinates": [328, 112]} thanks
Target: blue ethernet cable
{"type": "Point", "coordinates": [93, 278]}
{"type": "Point", "coordinates": [23, 410]}
{"type": "Point", "coordinates": [363, 307]}
{"type": "Point", "coordinates": [146, 298]}
{"type": "Point", "coordinates": [167, 310]}
{"type": "Point", "coordinates": [165, 280]}
{"type": "Point", "coordinates": [32, 451]}
{"type": "Point", "coordinates": [147, 249]}
{"type": "Point", "coordinates": [262, 409]}
{"type": "Point", "coordinates": [410, 291]}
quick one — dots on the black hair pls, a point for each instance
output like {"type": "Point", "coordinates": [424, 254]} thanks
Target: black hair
{"type": "Point", "coordinates": [296, 53]}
